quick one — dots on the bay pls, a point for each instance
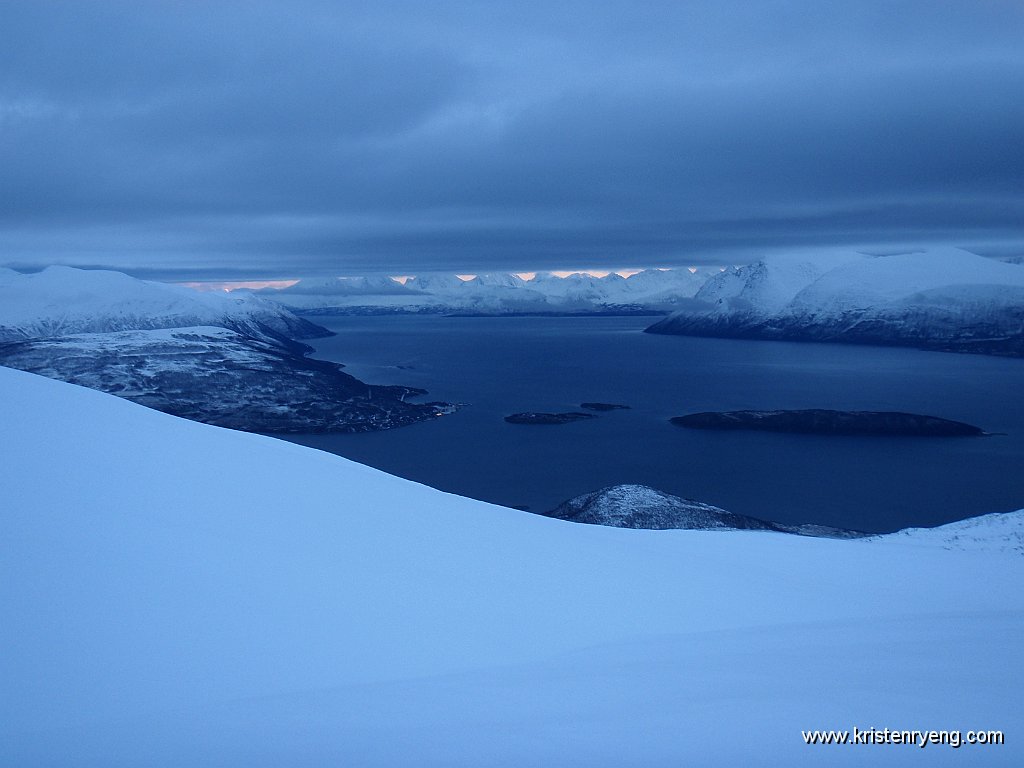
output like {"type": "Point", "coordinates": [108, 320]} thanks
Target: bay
{"type": "Point", "coordinates": [503, 365]}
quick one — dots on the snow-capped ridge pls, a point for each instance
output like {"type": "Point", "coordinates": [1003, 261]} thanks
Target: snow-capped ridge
{"type": "Point", "coordinates": [64, 300]}
{"type": "Point", "coordinates": [945, 298]}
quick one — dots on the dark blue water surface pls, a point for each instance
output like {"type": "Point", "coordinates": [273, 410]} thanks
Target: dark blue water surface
{"type": "Point", "coordinates": [500, 366]}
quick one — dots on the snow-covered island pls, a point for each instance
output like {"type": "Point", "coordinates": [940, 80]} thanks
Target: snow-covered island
{"type": "Point", "coordinates": [639, 506]}
{"type": "Point", "coordinates": [234, 360]}
{"type": "Point", "coordinates": [172, 593]}
{"type": "Point", "coordinates": [943, 299]}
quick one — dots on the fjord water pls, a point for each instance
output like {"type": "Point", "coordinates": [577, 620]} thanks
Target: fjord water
{"type": "Point", "coordinates": [502, 365]}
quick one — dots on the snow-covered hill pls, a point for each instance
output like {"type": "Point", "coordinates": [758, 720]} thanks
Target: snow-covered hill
{"type": "Point", "coordinates": [946, 299]}
{"type": "Point", "coordinates": [64, 300]}
{"type": "Point", "coordinates": [654, 290]}
{"type": "Point", "coordinates": [640, 506]}
{"type": "Point", "coordinates": [176, 594]}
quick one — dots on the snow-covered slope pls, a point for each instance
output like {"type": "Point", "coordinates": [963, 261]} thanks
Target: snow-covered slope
{"type": "Point", "coordinates": [176, 594]}
{"type": "Point", "coordinates": [988, 533]}
{"type": "Point", "coordinates": [937, 299]}
{"type": "Point", "coordinates": [65, 300]}
{"type": "Point", "coordinates": [766, 287]}
{"type": "Point", "coordinates": [655, 290]}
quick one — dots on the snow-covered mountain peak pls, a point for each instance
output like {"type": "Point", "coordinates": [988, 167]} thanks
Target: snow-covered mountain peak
{"type": "Point", "coordinates": [769, 285]}
{"type": "Point", "coordinates": [496, 280]}
{"type": "Point", "coordinates": [434, 282]}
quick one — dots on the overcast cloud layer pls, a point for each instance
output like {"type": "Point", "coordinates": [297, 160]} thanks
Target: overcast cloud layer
{"type": "Point", "coordinates": [251, 139]}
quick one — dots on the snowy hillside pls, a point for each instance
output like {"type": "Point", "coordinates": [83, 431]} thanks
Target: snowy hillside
{"type": "Point", "coordinates": [220, 377]}
{"type": "Point", "coordinates": [639, 506]}
{"type": "Point", "coordinates": [230, 360]}
{"type": "Point", "coordinates": [986, 533]}
{"type": "Point", "coordinates": [653, 290]}
{"type": "Point", "coordinates": [946, 299]}
{"type": "Point", "coordinates": [176, 594]}
{"type": "Point", "coordinates": [64, 300]}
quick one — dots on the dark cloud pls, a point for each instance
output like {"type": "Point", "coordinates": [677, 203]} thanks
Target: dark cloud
{"type": "Point", "coordinates": [262, 139]}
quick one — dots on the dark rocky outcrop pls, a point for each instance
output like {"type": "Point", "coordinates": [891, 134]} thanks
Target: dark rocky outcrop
{"type": "Point", "coordinates": [828, 422]}
{"type": "Point", "coordinates": [531, 417]}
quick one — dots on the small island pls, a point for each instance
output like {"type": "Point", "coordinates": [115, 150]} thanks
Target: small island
{"type": "Point", "coordinates": [547, 418]}
{"type": "Point", "coordinates": [826, 422]}
{"type": "Point", "coordinates": [604, 406]}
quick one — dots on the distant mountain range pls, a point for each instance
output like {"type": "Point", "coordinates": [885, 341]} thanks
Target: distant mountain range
{"type": "Point", "coordinates": [943, 299]}
{"type": "Point", "coordinates": [946, 299]}
{"type": "Point", "coordinates": [653, 290]}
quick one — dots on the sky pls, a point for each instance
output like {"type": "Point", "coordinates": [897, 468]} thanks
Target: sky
{"type": "Point", "coordinates": [258, 140]}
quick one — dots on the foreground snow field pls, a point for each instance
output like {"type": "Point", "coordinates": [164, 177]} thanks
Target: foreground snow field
{"type": "Point", "coordinates": [175, 594]}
